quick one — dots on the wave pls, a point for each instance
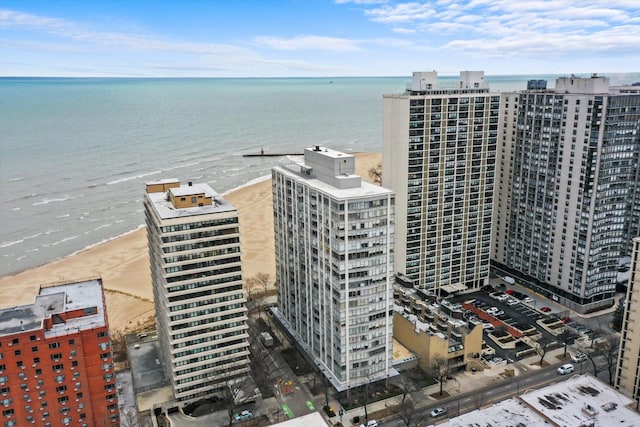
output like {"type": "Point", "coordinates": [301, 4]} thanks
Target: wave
{"type": "Point", "coordinates": [55, 200]}
{"type": "Point", "coordinates": [129, 178]}
{"type": "Point", "coordinates": [63, 216]}
{"type": "Point", "coordinates": [249, 184]}
{"type": "Point", "coordinates": [66, 239]}
{"type": "Point", "coordinates": [17, 242]}
{"type": "Point", "coordinates": [16, 179]}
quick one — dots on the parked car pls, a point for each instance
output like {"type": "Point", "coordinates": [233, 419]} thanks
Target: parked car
{"type": "Point", "coordinates": [502, 297]}
{"type": "Point", "coordinates": [528, 300]}
{"type": "Point", "coordinates": [487, 326]}
{"type": "Point", "coordinates": [492, 310]}
{"type": "Point", "coordinates": [498, 313]}
{"type": "Point", "coordinates": [512, 301]}
{"type": "Point", "coordinates": [243, 416]}
{"type": "Point", "coordinates": [545, 309]}
{"type": "Point", "coordinates": [567, 368]}
{"type": "Point", "coordinates": [579, 357]}
{"type": "Point", "coordinates": [370, 423]}
{"type": "Point", "coordinates": [439, 411]}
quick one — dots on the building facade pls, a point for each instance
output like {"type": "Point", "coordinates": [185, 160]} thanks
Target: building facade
{"type": "Point", "coordinates": [334, 246]}
{"type": "Point", "coordinates": [628, 369]}
{"type": "Point", "coordinates": [194, 251]}
{"type": "Point", "coordinates": [438, 156]}
{"type": "Point", "coordinates": [56, 366]}
{"type": "Point", "coordinates": [568, 196]}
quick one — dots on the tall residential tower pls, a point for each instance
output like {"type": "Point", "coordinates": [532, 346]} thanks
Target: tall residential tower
{"type": "Point", "coordinates": [628, 370]}
{"type": "Point", "coordinates": [56, 366]}
{"type": "Point", "coordinates": [438, 156]}
{"type": "Point", "coordinates": [194, 250]}
{"type": "Point", "coordinates": [568, 199]}
{"type": "Point", "coordinates": [334, 246]}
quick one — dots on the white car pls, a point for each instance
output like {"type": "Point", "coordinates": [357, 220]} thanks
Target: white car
{"type": "Point", "coordinates": [528, 300]}
{"type": "Point", "coordinates": [438, 411]}
{"type": "Point", "coordinates": [567, 368]}
{"type": "Point", "coordinates": [512, 301]}
{"type": "Point", "coordinates": [370, 423]}
{"type": "Point", "coordinates": [579, 357]}
{"type": "Point", "coordinates": [492, 310]}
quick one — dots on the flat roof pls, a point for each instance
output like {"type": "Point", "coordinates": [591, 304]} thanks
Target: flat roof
{"type": "Point", "coordinates": [365, 189]}
{"type": "Point", "coordinates": [580, 400]}
{"type": "Point", "coordinates": [313, 419]}
{"type": "Point", "coordinates": [54, 300]}
{"type": "Point", "coordinates": [166, 210]}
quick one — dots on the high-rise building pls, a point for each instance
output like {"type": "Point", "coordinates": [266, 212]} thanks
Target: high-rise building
{"type": "Point", "coordinates": [628, 369]}
{"type": "Point", "coordinates": [56, 366]}
{"type": "Point", "coordinates": [567, 204]}
{"type": "Point", "coordinates": [194, 250]}
{"type": "Point", "coordinates": [438, 156]}
{"type": "Point", "coordinates": [334, 246]}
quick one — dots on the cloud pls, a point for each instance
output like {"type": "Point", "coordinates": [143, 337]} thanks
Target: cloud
{"type": "Point", "coordinates": [332, 44]}
{"type": "Point", "coordinates": [517, 27]}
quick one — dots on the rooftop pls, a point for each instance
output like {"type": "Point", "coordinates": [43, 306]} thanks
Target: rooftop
{"type": "Point", "coordinates": [166, 209]}
{"type": "Point", "coordinates": [51, 303]}
{"type": "Point", "coordinates": [580, 400]}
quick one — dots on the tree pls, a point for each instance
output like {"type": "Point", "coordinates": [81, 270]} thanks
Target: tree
{"type": "Point", "coordinates": [609, 349]}
{"type": "Point", "coordinates": [439, 370]}
{"type": "Point", "coordinates": [565, 338]}
{"type": "Point", "coordinates": [250, 285]}
{"type": "Point", "coordinates": [618, 316]}
{"type": "Point", "coordinates": [541, 350]}
{"type": "Point", "coordinates": [478, 400]}
{"type": "Point", "coordinates": [263, 280]}
{"type": "Point", "coordinates": [375, 173]}
{"type": "Point", "coordinates": [406, 405]}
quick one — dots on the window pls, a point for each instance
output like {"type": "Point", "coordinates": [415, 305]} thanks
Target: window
{"type": "Point", "coordinates": [17, 352]}
{"type": "Point", "coordinates": [54, 345]}
{"type": "Point", "coordinates": [34, 349]}
{"type": "Point", "coordinates": [32, 338]}
{"type": "Point", "coordinates": [102, 334]}
{"type": "Point", "coordinates": [15, 341]}
{"type": "Point", "coordinates": [56, 356]}
{"type": "Point", "coordinates": [72, 342]}
{"type": "Point", "coordinates": [63, 399]}
{"type": "Point", "coordinates": [74, 363]}
{"type": "Point", "coordinates": [36, 360]}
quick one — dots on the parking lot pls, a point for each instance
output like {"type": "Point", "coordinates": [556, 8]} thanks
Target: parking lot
{"type": "Point", "coordinates": [515, 309]}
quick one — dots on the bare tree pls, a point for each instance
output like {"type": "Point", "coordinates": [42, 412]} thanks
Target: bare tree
{"type": "Point", "coordinates": [439, 370]}
{"type": "Point", "coordinates": [250, 285]}
{"type": "Point", "coordinates": [609, 350]}
{"type": "Point", "coordinates": [407, 408]}
{"type": "Point", "coordinates": [478, 400]}
{"type": "Point", "coordinates": [541, 350]}
{"type": "Point", "coordinates": [375, 173]}
{"type": "Point", "coordinates": [263, 280]}
{"type": "Point", "coordinates": [129, 418]}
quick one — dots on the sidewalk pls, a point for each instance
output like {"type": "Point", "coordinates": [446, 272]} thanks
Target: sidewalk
{"type": "Point", "coordinates": [463, 382]}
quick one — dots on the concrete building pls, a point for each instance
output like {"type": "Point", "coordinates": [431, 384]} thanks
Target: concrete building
{"type": "Point", "coordinates": [438, 155]}
{"type": "Point", "coordinates": [56, 366]}
{"type": "Point", "coordinates": [628, 369]}
{"type": "Point", "coordinates": [194, 250]}
{"type": "Point", "coordinates": [334, 246]}
{"type": "Point", "coordinates": [567, 204]}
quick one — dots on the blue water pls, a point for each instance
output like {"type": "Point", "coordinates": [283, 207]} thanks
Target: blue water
{"type": "Point", "coordinates": [75, 153]}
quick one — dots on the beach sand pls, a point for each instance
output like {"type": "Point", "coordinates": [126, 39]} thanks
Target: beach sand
{"type": "Point", "coordinates": [123, 262]}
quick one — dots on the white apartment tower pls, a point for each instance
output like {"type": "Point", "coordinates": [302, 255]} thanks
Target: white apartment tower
{"type": "Point", "coordinates": [628, 370]}
{"type": "Point", "coordinates": [568, 199]}
{"type": "Point", "coordinates": [334, 246]}
{"type": "Point", "coordinates": [438, 156]}
{"type": "Point", "coordinates": [194, 251]}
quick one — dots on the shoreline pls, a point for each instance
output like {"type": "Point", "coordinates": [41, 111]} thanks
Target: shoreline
{"type": "Point", "coordinates": [122, 261]}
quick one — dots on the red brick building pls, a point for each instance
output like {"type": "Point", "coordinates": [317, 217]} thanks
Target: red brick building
{"type": "Point", "coordinates": [56, 366]}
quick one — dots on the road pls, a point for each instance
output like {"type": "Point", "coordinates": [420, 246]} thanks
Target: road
{"type": "Point", "coordinates": [471, 401]}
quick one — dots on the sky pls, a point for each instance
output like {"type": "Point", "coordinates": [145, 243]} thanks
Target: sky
{"type": "Point", "coordinates": [315, 38]}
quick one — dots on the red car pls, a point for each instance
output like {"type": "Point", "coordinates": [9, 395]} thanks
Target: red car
{"type": "Point", "coordinates": [510, 291]}
{"type": "Point", "coordinates": [545, 309]}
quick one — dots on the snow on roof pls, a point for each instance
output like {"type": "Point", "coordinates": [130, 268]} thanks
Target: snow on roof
{"type": "Point", "coordinates": [313, 419]}
{"type": "Point", "coordinates": [580, 400]}
{"type": "Point", "coordinates": [510, 412]}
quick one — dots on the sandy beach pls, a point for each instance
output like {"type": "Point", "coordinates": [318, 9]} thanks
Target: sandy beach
{"type": "Point", "coordinates": [123, 262]}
